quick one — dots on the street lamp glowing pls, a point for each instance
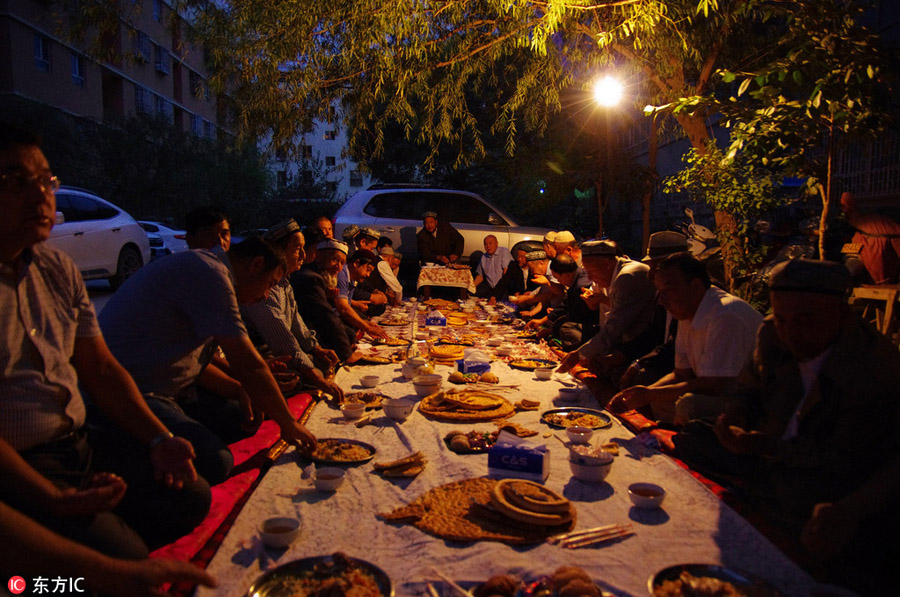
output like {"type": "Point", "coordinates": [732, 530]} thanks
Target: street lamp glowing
{"type": "Point", "coordinates": [607, 91]}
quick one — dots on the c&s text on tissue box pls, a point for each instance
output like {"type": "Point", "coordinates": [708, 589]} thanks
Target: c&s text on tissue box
{"type": "Point", "coordinates": [520, 462]}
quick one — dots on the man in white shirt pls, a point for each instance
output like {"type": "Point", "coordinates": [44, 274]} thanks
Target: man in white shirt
{"type": "Point", "coordinates": [386, 271]}
{"type": "Point", "coordinates": [716, 336]}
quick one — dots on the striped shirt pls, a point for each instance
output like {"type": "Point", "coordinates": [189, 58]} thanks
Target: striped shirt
{"type": "Point", "coordinates": [278, 321]}
{"type": "Point", "coordinates": [44, 307]}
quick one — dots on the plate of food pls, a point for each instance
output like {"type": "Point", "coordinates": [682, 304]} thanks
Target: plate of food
{"type": "Point", "coordinates": [370, 399]}
{"type": "Point", "coordinates": [394, 322]}
{"type": "Point", "coordinates": [532, 364]}
{"type": "Point", "coordinates": [320, 575]}
{"type": "Point", "coordinates": [373, 359]}
{"type": "Point", "coordinates": [393, 341]}
{"type": "Point", "coordinates": [575, 416]}
{"type": "Point", "coordinates": [334, 450]}
{"type": "Point", "coordinates": [708, 579]}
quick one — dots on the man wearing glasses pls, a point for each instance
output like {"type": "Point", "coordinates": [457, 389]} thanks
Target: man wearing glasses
{"type": "Point", "coordinates": [97, 488]}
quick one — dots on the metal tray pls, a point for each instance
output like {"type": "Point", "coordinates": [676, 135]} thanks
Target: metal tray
{"type": "Point", "coordinates": [543, 363]}
{"type": "Point", "coordinates": [274, 582]}
{"type": "Point", "coordinates": [744, 582]}
{"type": "Point", "coordinates": [369, 447]}
{"type": "Point", "coordinates": [605, 418]}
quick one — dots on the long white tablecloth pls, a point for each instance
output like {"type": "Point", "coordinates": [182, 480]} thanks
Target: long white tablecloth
{"type": "Point", "coordinates": [693, 525]}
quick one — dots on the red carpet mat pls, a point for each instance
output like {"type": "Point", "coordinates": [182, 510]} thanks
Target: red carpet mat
{"type": "Point", "coordinates": [250, 462]}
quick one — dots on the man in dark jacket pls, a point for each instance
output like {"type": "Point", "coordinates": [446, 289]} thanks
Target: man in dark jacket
{"type": "Point", "coordinates": [438, 242]}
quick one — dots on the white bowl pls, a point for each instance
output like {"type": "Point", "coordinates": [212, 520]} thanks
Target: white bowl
{"type": "Point", "coordinates": [579, 435]}
{"type": "Point", "coordinates": [397, 409]}
{"type": "Point", "coordinates": [544, 373]}
{"type": "Point", "coordinates": [590, 473]}
{"type": "Point", "coordinates": [646, 495]}
{"type": "Point", "coordinates": [280, 531]}
{"type": "Point", "coordinates": [511, 337]}
{"type": "Point", "coordinates": [353, 411]}
{"type": "Point", "coordinates": [369, 381]}
{"type": "Point", "coordinates": [569, 393]}
{"type": "Point", "coordinates": [494, 341]}
{"type": "Point", "coordinates": [426, 389]}
{"type": "Point", "coordinates": [503, 350]}
{"type": "Point", "coordinates": [328, 479]}
{"type": "Point", "coordinates": [589, 456]}
{"type": "Point", "coordinates": [428, 379]}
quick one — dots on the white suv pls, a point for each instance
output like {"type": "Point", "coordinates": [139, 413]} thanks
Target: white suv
{"type": "Point", "coordinates": [102, 240]}
{"type": "Point", "coordinates": [396, 212]}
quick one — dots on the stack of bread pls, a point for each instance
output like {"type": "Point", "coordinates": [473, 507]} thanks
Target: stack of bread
{"type": "Point", "coordinates": [410, 466]}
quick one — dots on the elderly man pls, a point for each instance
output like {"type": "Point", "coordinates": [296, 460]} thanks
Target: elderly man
{"type": "Point", "coordinates": [207, 227]}
{"type": "Point", "coordinates": [573, 322]}
{"type": "Point", "coordinates": [167, 321]}
{"type": "Point", "coordinates": [88, 484]}
{"type": "Point", "coordinates": [324, 226]}
{"type": "Point", "coordinates": [648, 368]}
{"type": "Point", "coordinates": [814, 435]}
{"type": "Point", "coordinates": [384, 277]}
{"type": "Point", "coordinates": [315, 287]}
{"type": "Point", "coordinates": [491, 269]}
{"type": "Point", "coordinates": [549, 241]}
{"type": "Point", "coordinates": [716, 333]}
{"type": "Point", "coordinates": [278, 322]}
{"type": "Point", "coordinates": [631, 298]}
{"type": "Point", "coordinates": [438, 242]}
{"type": "Point", "coordinates": [515, 280]}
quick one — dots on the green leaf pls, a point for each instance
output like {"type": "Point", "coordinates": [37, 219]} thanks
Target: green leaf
{"type": "Point", "coordinates": [743, 87]}
{"type": "Point", "coordinates": [798, 77]}
{"type": "Point", "coordinates": [728, 76]}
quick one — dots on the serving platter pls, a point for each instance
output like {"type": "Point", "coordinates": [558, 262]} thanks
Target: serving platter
{"type": "Point", "coordinates": [372, 400]}
{"type": "Point", "coordinates": [353, 442]}
{"type": "Point", "coordinates": [574, 411]}
{"type": "Point", "coordinates": [531, 364]}
{"type": "Point", "coordinates": [745, 583]}
{"type": "Point", "coordinates": [372, 360]}
{"type": "Point", "coordinates": [282, 581]}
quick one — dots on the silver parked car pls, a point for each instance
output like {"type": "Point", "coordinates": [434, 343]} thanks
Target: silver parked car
{"type": "Point", "coordinates": [102, 240]}
{"type": "Point", "coordinates": [396, 211]}
{"type": "Point", "coordinates": [164, 240]}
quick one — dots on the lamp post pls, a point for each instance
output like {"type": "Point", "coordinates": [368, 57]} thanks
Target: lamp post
{"type": "Point", "coordinates": [607, 93]}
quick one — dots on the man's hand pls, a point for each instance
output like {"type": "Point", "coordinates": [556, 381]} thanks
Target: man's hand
{"type": "Point", "coordinates": [327, 355]}
{"type": "Point", "coordinates": [828, 530]}
{"type": "Point", "coordinates": [627, 378]}
{"type": "Point", "coordinates": [376, 331]}
{"type": "Point", "coordinates": [493, 300]}
{"type": "Point", "coordinates": [297, 434]}
{"type": "Point", "coordinates": [139, 578]}
{"type": "Point", "coordinates": [329, 387]}
{"type": "Point", "coordinates": [361, 306]}
{"type": "Point", "coordinates": [570, 360]}
{"type": "Point", "coordinates": [104, 494]}
{"type": "Point", "coordinates": [541, 280]}
{"type": "Point", "coordinates": [172, 461]}
{"type": "Point", "coordinates": [287, 381]}
{"type": "Point", "coordinates": [736, 439]}
{"type": "Point", "coordinates": [631, 398]}
{"type": "Point", "coordinates": [443, 259]}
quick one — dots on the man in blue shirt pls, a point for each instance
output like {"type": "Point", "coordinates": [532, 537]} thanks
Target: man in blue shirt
{"type": "Point", "coordinates": [490, 270]}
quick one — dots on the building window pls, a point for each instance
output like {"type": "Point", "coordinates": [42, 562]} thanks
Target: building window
{"type": "Point", "coordinates": [329, 160]}
{"type": "Point", "coordinates": [161, 56]}
{"type": "Point", "coordinates": [41, 53]}
{"type": "Point", "coordinates": [356, 178]}
{"type": "Point", "coordinates": [142, 99]}
{"type": "Point", "coordinates": [195, 82]}
{"type": "Point", "coordinates": [330, 135]}
{"type": "Point", "coordinates": [165, 109]}
{"type": "Point", "coordinates": [196, 125]}
{"type": "Point", "coordinates": [209, 129]}
{"type": "Point", "coordinates": [141, 46]}
{"type": "Point", "coordinates": [157, 11]}
{"type": "Point", "coordinates": [77, 70]}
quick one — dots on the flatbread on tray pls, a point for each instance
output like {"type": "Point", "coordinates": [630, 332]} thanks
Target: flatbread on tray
{"type": "Point", "coordinates": [468, 510]}
{"type": "Point", "coordinates": [470, 406]}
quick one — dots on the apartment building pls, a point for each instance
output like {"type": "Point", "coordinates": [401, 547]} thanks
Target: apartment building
{"type": "Point", "coordinates": [321, 151]}
{"type": "Point", "coordinates": [154, 69]}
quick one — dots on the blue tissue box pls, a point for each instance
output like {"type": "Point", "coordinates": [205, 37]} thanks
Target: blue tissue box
{"type": "Point", "coordinates": [472, 366]}
{"type": "Point", "coordinates": [436, 320]}
{"type": "Point", "coordinates": [520, 462]}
